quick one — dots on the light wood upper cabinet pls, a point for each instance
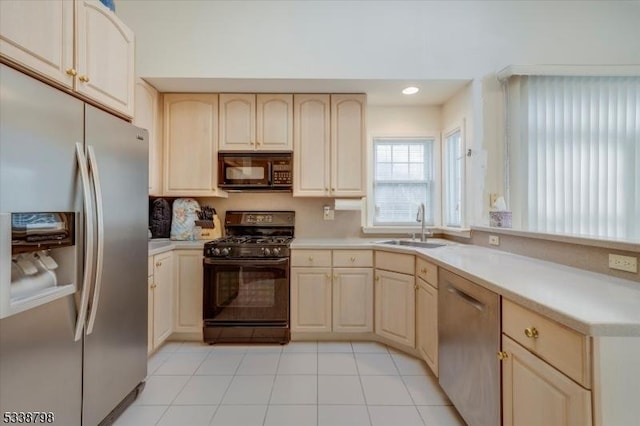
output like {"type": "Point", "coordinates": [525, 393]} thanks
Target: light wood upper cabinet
{"type": "Point", "coordinates": [274, 122]}
{"type": "Point", "coordinates": [188, 293]}
{"type": "Point", "coordinates": [348, 145]}
{"type": "Point", "coordinates": [310, 299]}
{"type": "Point", "coordinates": [534, 393]}
{"type": "Point", "coordinates": [237, 121]}
{"type": "Point", "coordinates": [93, 54]}
{"type": "Point", "coordinates": [105, 56]}
{"type": "Point", "coordinates": [190, 145]}
{"type": "Point", "coordinates": [147, 115]}
{"type": "Point", "coordinates": [330, 134]}
{"type": "Point", "coordinates": [395, 296]}
{"type": "Point", "coordinates": [262, 122]}
{"type": "Point", "coordinates": [39, 36]}
{"type": "Point", "coordinates": [311, 145]}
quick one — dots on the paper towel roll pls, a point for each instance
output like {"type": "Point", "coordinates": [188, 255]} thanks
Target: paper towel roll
{"type": "Point", "coordinates": [348, 204]}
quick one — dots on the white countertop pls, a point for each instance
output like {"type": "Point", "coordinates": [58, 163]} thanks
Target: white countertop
{"type": "Point", "coordinates": [160, 245]}
{"type": "Point", "coordinates": [588, 302]}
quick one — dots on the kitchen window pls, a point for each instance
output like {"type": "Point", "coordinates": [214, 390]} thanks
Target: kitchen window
{"type": "Point", "coordinates": [574, 154]}
{"type": "Point", "coordinates": [453, 176]}
{"type": "Point", "coordinates": [403, 178]}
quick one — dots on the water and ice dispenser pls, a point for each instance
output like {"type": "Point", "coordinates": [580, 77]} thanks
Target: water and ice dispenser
{"type": "Point", "coordinates": [38, 259]}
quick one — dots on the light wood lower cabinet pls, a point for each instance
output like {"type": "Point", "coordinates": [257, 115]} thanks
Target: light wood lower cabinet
{"type": "Point", "coordinates": [427, 324]}
{"type": "Point", "coordinates": [188, 291]}
{"type": "Point", "coordinates": [325, 299]}
{"type": "Point", "coordinates": [395, 309]}
{"type": "Point", "coordinates": [162, 287]}
{"type": "Point", "coordinates": [535, 393]}
{"type": "Point", "coordinates": [311, 299]}
{"type": "Point", "coordinates": [352, 300]}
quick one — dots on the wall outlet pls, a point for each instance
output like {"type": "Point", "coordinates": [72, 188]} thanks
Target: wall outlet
{"type": "Point", "coordinates": [623, 263]}
{"type": "Point", "coordinates": [494, 240]}
{"type": "Point", "coordinates": [328, 213]}
{"type": "Point", "coordinates": [492, 199]}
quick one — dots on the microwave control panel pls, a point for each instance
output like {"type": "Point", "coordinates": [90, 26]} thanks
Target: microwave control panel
{"type": "Point", "coordinates": [281, 173]}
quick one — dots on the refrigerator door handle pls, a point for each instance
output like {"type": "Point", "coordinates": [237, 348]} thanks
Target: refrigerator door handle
{"type": "Point", "coordinates": [93, 167]}
{"type": "Point", "coordinates": [89, 226]}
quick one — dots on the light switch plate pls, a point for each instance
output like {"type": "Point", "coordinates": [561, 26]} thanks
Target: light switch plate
{"type": "Point", "coordinates": [623, 263]}
{"type": "Point", "coordinates": [328, 213]}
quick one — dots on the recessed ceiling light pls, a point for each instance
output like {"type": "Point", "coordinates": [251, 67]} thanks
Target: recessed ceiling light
{"type": "Point", "coordinates": [410, 90]}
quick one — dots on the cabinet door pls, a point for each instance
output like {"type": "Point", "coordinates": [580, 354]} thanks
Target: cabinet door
{"type": "Point", "coordinates": [348, 145]}
{"type": "Point", "coordinates": [353, 300]}
{"type": "Point", "coordinates": [395, 316]}
{"type": "Point", "coordinates": [190, 144]}
{"type": "Point", "coordinates": [534, 393]}
{"type": "Point", "coordinates": [105, 57]}
{"type": "Point", "coordinates": [162, 298]}
{"type": "Point", "coordinates": [150, 323]}
{"type": "Point", "coordinates": [147, 116]}
{"type": "Point", "coordinates": [310, 299]}
{"type": "Point", "coordinates": [237, 121]}
{"type": "Point", "coordinates": [188, 294]}
{"type": "Point", "coordinates": [274, 122]}
{"type": "Point", "coordinates": [311, 145]}
{"type": "Point", "coordinates": [39, 36]}
{"type": "Point", "coordinates": [427, 324]}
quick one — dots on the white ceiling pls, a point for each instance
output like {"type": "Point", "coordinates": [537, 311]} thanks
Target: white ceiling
{"type": "Point", "coordinates": [379, 92]}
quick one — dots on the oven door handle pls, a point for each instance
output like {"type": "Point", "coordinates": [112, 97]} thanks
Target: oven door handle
{"type": "Point", "coordinates": [252, 262]}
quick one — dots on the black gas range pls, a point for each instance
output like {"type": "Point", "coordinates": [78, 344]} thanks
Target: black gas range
{"type": "Point", "coordinates": [246, 279]}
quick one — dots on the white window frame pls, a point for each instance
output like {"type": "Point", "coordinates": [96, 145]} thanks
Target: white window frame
{"type": "Point", "coordinates": [369, 212]}
{"type": "Point", "coordinates": [463, 214]}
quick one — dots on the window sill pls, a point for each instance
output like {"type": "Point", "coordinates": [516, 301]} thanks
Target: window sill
{"type": "Point", "coordinates": [408, 230]}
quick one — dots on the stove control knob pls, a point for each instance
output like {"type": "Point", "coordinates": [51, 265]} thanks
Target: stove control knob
{"type": "Point", "coordinates": [215, 251]}
{"type": "Point", "coordinates": [276, 251]}
{"type": "Point", "coordinates": [267, 251]}
{"type": "Point", "coordinates": [225, 251]}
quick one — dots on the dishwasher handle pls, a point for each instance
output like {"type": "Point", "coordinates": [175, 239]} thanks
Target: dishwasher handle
{"type": "Point", "coordinates": [469, 299]}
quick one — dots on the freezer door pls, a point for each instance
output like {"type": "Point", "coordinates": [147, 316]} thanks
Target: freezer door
{"type": "Point", "coordinates": [115, 344]}
{"type": "Point", "coordinates": [40, 364]}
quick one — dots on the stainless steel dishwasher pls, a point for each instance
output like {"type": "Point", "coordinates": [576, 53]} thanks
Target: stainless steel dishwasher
{"type": "Point", "coordinates": [469, 339]}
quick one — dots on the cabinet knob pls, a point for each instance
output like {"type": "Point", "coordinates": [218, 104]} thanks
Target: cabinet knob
{"type": "Point", "coordinates": [329, 276]}
{"type": "Point", "coordinates": [378, 278]}
{"type": "Point", "coordinates": [333, 189]}
{"type": "Point", "coordinates": [502, 356]}
{"type": "Point", "coordinates": [153, 286]}
{"type": "Point", "coordinates": [72, 72]}
{"type": "Point", "coordinates": [84, 78]}
{"type": "Point", "coordinates": [423, 270]}
{"type": "Point", "coordinates": [158, 264]}
{"type": "Point", "coordinates": [415, 286]}
{"type": "Point", "coordinates": [531, 332]}
{"type": "Point", "coordinates": [353, 259]}
{"type": "Point", "coordinates": [310, 258]}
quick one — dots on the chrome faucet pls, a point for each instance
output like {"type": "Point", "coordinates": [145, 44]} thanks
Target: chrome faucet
{"type": "Point", "coordinates": [420, 218]}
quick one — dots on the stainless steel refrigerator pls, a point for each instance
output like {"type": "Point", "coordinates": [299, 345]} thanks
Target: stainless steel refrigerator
{"type": "Point", "coordinates": [73, 251]}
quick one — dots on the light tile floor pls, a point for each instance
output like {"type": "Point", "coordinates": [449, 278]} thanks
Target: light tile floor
{"type": "Point", "coordinates": [302, 383]}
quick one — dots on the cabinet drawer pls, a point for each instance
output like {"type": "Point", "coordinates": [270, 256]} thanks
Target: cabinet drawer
{"type": "Point", "coordinates": [565, 349]}
{"type": "Point", "coordinates": [427, 271]}
{"type": "Point", "coordinates": [396, 262]}
{"type": "Point", "coordinates": [318, 258]}
{"type": "Point", "coordinates": [149, 266]}
{"type": "Point", "coordinates": [355, 258]}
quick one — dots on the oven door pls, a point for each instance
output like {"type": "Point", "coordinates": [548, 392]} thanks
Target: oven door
{"type": "Point", "coordinates": [245, 292]}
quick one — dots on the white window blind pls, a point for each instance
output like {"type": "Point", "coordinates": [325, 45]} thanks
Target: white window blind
{"type": "Point", "coordinates": [574, 154]}
{"type": "Point", "coordinates": [403, 178]}
{"type": "Point", "coordinates": [453, 178]}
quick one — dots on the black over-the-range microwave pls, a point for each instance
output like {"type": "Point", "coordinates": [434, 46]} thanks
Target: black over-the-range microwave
{"type": "Point", "coordinates": [255, 171]}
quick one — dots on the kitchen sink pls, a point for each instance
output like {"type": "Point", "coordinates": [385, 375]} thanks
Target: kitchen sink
{"type": "Point", "coordinates": [158, 244]}
{"type": "Point", "coordinates": [420, 244]}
